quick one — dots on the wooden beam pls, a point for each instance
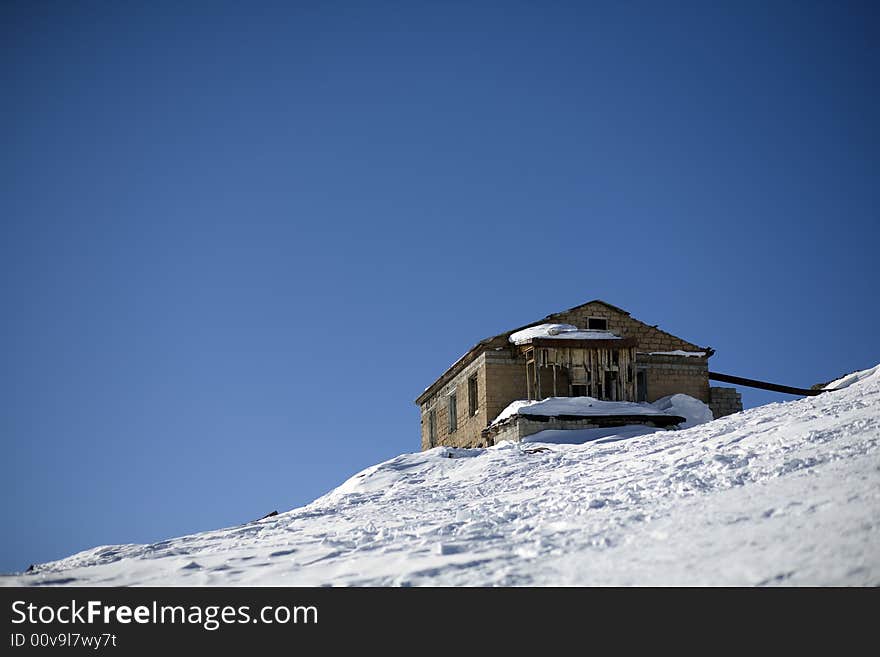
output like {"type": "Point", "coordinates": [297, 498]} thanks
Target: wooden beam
{"type": "Point", "coordinates": [528, 382]}
{"type": "Point", "coordinates": [621, 343]}
{"type": "Point", "coordinates": [763, 385]}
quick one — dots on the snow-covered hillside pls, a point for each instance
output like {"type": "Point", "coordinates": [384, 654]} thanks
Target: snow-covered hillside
{"type": "Point", "coordinates": [787, 493]}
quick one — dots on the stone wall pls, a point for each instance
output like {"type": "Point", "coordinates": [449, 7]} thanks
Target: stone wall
{"type": "Point", "coordinates": [467, 432]}
{"type": "Point", "coordinates": [724, 401]}
{"type": "Point", "coordinates": [650, 338]}
{"type": "Point", "coordinates": [668, 375]}
{"type": "Point", "coordinates": [505, 382]}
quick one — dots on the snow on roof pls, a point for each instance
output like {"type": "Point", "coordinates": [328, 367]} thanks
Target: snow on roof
{"type": "Point", "coordinates": [677, 352]}
{"type": "Point", "coordinates": [560, 332]}
{"type": "Point", "coordinates": [585, 406]}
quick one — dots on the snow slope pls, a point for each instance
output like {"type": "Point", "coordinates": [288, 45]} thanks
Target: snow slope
{"type": "Point", "coordinates": [787, 493]}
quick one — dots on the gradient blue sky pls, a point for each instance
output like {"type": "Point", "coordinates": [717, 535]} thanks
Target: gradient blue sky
{"type": "Point", "coordinates": [240, 238]}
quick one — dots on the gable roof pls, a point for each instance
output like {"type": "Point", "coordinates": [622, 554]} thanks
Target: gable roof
{"type": "Point", "coordinates": [502, 340]}
{"type": "Point", "coordinates": [587, 303]}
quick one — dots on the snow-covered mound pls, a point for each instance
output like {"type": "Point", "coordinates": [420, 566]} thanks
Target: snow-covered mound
{"type": "Point", "coordinates": [788, 493]}
{"type": "Point", "coordinates": [692, 409]}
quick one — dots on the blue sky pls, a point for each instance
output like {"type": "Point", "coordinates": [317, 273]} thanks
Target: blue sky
{"type": "Point", "coordinates": [240, 239]}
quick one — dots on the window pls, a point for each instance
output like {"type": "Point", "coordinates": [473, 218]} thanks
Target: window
{"type": "Point", "coordinates": [597, 323]}
{"type": "Point", "coordinates": [432, 428]}
{"type": "Point", "coordinates": [473, 402]}
{"type": "Point", "coordinates": [615, 357]}
{"type": "Point", "coordinates": [453, 413]}
{"type": "Point", "coordinates": [641, 386]}
{"type": "Point", "coordinates": [578, 390]}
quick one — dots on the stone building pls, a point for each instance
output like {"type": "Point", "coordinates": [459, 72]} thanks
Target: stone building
{"type": "Point", "coordinates": [592, 350]}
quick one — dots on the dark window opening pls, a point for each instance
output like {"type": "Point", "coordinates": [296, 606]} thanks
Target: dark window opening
{"type": "Point", "coordinates": [453, 413]}
{"type": "Point", "coordinates": [611, 386]}
{"type": "Point", "coordinates": [432, 428]}
{"type": "Point", "coordinates": [641, 387]}
{"type": "Point", "coordinates": [578, 390]}
{"type": "Point", "coordinates": [473, 402]}
{"type": "Point", "coordinates": [615, 357]}
{"type": "Point", "coordinates": [543, 356]}
{"type": "Point", "coordinates": [597, 323]}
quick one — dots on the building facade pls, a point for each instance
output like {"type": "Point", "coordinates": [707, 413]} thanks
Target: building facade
{"type": "Point", "coordinates": [592, 350]}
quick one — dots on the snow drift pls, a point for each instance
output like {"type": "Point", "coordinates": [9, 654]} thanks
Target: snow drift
{"type": "Point", "coordinates": [787, 493]}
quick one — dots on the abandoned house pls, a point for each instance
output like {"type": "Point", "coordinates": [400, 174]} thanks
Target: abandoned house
{"type": "Point", "coordinates": [593, 350]}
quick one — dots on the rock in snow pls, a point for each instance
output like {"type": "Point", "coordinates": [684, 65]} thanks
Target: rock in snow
{"type": "Point", "coordinates": [783, 494]}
